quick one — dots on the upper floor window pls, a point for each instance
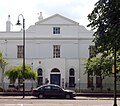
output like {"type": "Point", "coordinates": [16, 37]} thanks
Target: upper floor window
{"type": "Point", "coordinates": [20, 51]}
{"type": "Point", "coordinates": [56, 51]}
{"type": "Point", "coordinates": [92, 51]}
{"type": "Point", "coordinates": [56, 30]}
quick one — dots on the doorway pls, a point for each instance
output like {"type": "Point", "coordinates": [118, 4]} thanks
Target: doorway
{"type": "Point", "coordinates": [55, 79]}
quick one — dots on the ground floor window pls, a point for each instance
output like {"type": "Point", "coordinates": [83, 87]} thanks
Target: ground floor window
{"type": "Point", "coordinates": [40, 77]}
{"type": "Point", "coordinates": [90, 80]}
{"type": "Point", "coordinates": [40, 81]}
{"type": "Point", "coordinates": [71, 77]}
{"type": "Point", "coordinates": [98, 82]}
{"type": "Point", "coordinates": [71, 81]}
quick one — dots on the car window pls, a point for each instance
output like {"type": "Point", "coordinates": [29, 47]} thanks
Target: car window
{"type": "Point", "coordinates": [55, 88]}
{"type": "Point", "coordinates": [40, 89]}
{"type": "Point", "coordinates": [47, 88]}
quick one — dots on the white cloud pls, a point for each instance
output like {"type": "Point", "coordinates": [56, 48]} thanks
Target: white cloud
{"type": "Point", "coordinates": [73, 9]}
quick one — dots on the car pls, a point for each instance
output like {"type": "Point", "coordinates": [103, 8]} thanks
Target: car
{"type": "Point", "coordinates": [52, 91]}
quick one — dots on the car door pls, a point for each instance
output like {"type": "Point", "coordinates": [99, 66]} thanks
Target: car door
{"type": "Point", "coordinates": [57, 91]}
{"type": "Point", "coordinates": [47, 91]}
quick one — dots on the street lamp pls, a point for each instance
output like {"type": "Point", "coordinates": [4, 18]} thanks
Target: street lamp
{"type": "Point", "coordinates": [115, 77]}
{"type": "Point", "coordinates": [115, 66]}
{"type": "Point", "coordinates": [18, 23]}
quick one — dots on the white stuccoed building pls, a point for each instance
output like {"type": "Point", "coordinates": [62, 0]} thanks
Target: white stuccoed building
{"type": "Point", "coordinates": [56, 48]}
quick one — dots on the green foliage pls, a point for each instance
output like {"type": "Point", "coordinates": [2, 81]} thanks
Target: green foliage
{"type": "Point", "coordinates": [3, 61]}
{"type": "Point", "coordinates": [105, 20]}
{"type": "Point", "coordinates": [101, 66]}
{"type": "Point", "coordinates": [16, 72]}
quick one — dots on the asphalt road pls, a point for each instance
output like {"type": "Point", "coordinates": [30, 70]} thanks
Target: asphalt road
{"type": "Point", "coordinates": [32, 101]}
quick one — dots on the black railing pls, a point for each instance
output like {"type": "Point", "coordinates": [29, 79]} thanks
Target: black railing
{"type": "Point", "coordinates": [82, 87]}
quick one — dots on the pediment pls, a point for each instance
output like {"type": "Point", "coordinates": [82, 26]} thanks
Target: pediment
{"type": "Point", "coordinates": [57, 19]}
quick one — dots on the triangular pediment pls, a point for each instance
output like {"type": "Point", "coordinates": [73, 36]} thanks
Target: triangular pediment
{"type": "Point", "coordinates": [57, 19]}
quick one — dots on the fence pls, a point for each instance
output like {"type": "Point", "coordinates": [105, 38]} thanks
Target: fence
{"type": "Point", "coordinates": [82, 87]}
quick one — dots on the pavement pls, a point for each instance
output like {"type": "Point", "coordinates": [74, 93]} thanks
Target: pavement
{"type": "Point", "coordinates": [77, 98]}
{"type": "Point", "coordinates": [82, 96]}
{"type": "Point", "coordinates": [32, 101]}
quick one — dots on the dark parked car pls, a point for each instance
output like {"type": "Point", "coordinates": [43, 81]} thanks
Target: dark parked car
{"type": "Point", "coordinates": [51, 90]}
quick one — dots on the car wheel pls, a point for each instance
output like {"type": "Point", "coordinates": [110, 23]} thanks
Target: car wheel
{"type": "Point", "coordinates": [40, 96]}
{"type": "Point", "coordinates": [67, 96]}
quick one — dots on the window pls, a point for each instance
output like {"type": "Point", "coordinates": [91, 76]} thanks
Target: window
{"type": "Point", "coordinates": [71, 72]}
{"type": "Point", "coordinates": [98, 82]}
{"type": "Point", "coordinates": [71, 77]}
{"type": "Point", "coordinates": [55, 70]}
{"type": "Point", "coordinates": [92, 51]}
{"type": "Point", "coordinates": [40, 76]}
{"type": "Point", "coordinates": [39, 72]}
{"type": "Point", "coordinates": [90, 80]}
{"type": "Point", "coordinates": [19, 51]}
{"type": "Point", "coordinates": [56, 51]}
{"type": "Point", "coordinates": [47, 88]}
{"type": "Point", "coordinates": [40, 80]}
{"type": "Point", "coordinates": [55, 88]}
{"type": "Point", "coordinates": [98, 79]}
{"type": "Point", "coordinates": [56, 30]}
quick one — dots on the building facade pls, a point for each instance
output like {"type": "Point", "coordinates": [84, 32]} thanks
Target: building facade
{"type": "Point", "coordinates": [56, 47]}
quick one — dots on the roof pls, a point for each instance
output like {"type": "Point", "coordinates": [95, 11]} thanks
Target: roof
{"type": "Point", "coordinates": [56, 18]}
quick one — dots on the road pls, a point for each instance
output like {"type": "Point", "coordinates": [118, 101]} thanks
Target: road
{"type": "Point", "coordinates": [78, 101]}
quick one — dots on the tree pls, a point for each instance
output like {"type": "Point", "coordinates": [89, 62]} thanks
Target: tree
{"type": "Point", "coordinates": [3, 62]}
{"type": "Point", "coordinates": [99, 66]}
{"type": "Point", "coordinates": [16, 72]}
{"type": "Point", "coordinates": [105, 20]}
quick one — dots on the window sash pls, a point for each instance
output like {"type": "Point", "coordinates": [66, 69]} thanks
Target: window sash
{"type": "Point", "coordinates": [20, 51]}
{"type": "Point", "coordinates": [98, 82]}
{"type": "Point", "coordinates": [56, 30]}
{"type": "Point", "coordinates": [92, 51]}
{"type": "Point", "coordinates": [56, 51]}
{"type": "Point", "coordinates": [71, 81]}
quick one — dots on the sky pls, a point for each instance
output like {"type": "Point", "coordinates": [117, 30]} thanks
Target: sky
{"type": "Point", "coordinates": [76, 10]}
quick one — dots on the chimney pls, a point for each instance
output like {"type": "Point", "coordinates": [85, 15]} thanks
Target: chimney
{"type": "Point", "coordinates": [40, 17]}
{"type": "Point", "coordinates": [8, 24]}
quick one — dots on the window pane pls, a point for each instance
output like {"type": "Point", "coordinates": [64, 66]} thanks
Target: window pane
{"type": "Point", "coordinates": [47, 88]}
{"type": "Point", "coordinates": [56, 51]}
{"type": "Point", "coordinates": [40, 81]}
{"type": "Point", "coordinates": [71, 81]}
{"type": "Point", "coordinates": [98, 82]}
{"type": "Point", "coordinates": [39, 72]}
{"type": "Point", "coordinates": [92, 51]}
{"type": "Point", "coordinates": [71, 72]}
{"type": "Point", "coordinates": [19, 51]}
{"type": "Point", "coordinates": [56, 30]}
{"type": "Point", "coordinates": [90, 81]}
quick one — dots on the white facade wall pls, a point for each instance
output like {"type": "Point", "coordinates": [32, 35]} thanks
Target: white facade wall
{"type": "Point", "coordinates": [74, 41]}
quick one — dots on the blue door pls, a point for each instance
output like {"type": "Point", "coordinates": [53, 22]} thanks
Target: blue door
{"type": "Point", "coordinates": [55, 79]}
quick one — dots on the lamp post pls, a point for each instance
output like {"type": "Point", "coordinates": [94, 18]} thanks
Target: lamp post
{"type": "Point", "coordinates": [18, 23]}
{"type": "Point", "coordinates": [115, 79]}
